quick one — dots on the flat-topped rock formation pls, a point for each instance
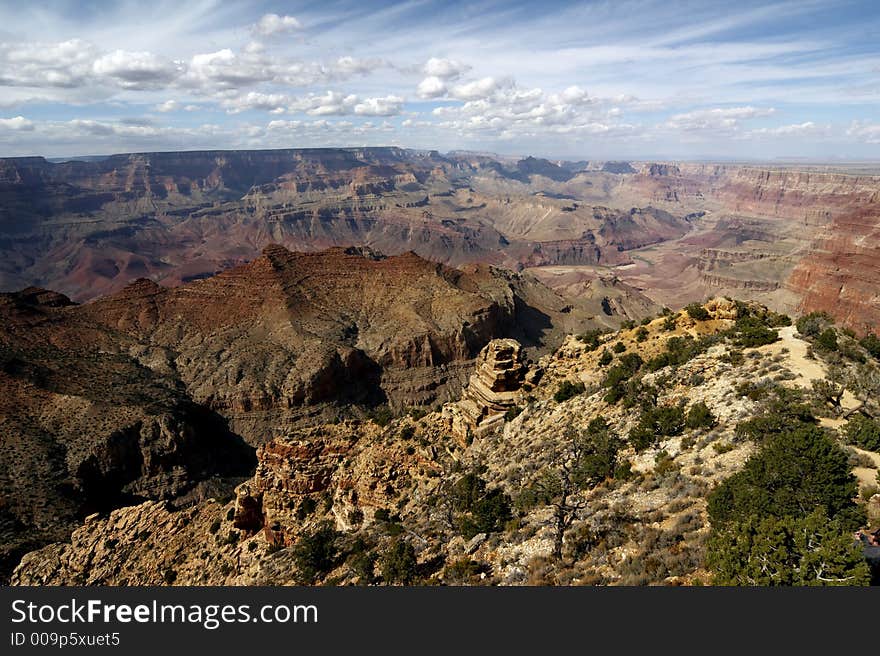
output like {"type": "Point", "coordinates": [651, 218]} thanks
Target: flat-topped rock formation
{"type": "Point", "coordinates": [494, 388]}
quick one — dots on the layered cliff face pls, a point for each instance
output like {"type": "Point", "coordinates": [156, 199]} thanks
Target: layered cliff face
{"type": "Point", "coordinates": [86, 427]}
{"type": "Point", "coordinates": [344, 326]}
{"type": "Point", "coordinates": [799, 239]}
{"type": "Point", "coordinates": [157, 393]}
{"type": "Point", "coordinates": [89, 228]}
{"type": "Point", "coordinates": [841, 273]}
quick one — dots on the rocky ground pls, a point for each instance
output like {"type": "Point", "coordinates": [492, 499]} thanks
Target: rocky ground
{"type": "Point", "coordinates": [474, 493]}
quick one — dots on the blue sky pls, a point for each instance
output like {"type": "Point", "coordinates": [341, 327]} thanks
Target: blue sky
{"type": "Point", "coordinates": [581, 80]}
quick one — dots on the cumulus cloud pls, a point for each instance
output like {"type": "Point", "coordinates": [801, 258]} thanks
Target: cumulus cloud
{"type": "Point", "coordinates": [224, 68]}
{"type": "Point", "coordinates": [477, 89]}
{"type": "Point", "coordinates": [135, 70]}
{"type": "Point", "coordinates": [17, 123]}
{"type": "Point", "coordinates": [501, 109]}
{"type": "Point", "coordinates": [331, 103]}
{"type": "Point", "coordinates": [273, 24]}
{"type": "Point", "coordinates": [445, 69]}
{"type": "Point", "coordinates": [386, 106]}
{"type": "Point", "coordinates": [64, 65]}
{"type": "Point", "coordinates": [348, 66]}
{"type": "Point", "coordinates": [716, 119]}
{"type": "Point", "coordinates": [274, 103]}
{"type": "Point", "coordinates": [431, 87]}
{"type": "Point", "coordinates": [168, 106]}
{"type": "Point", "coordinates": [335, 103]}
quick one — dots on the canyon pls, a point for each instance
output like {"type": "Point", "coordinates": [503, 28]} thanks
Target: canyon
{"type": "Point", "coordinates": [798, 239]}
{"type": "Point", "coordinates": [221, 352]}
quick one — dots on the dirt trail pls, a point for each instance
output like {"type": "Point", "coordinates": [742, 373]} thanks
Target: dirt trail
{"type": "Point", "coordinates": [807, 370]}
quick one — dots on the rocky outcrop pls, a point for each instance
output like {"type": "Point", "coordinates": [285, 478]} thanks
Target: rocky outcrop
{"type": "Point", "coordinates": [156, 393]}
{"type": "Point", "coordinates": [494, 388]}
{"type": "Point", "coordinates": [727, 282]}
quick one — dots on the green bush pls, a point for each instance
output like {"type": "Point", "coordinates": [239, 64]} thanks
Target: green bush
{"type": "Point", "coordinates": [315, 554]}
{"type": "Point", "coordinates": [512, 413]}
{"type": "Point", "coordinates": [381, 416]}
{"type": "Point", "coordinates": [399, 565]}
{"type": "Point", "coordinates": [655, 424]}
{"type": "Point", "coordinates": [863, 432]}
{"type": "Point", "coordinates": [699, 416]}
{"type": "Point", "coordinates": [618, 375]}
{"type": "Point", "coordinates": [306, 508]}
{"type": "Point", "coordinates": [618, 347]}
{"type": "Point", "coordinates": [871, 343]}
{"type": "Point", "coordinates": [477, 509]}
{"type": "Point", "coordinates": [772, 551]}
{"type": "Point", "coordinates": [794, 472]}
{"type": "Point", "coordinates": [567, 390]}
{"type": "Point", "coordinates": [363, 564]}
{"type": "Point", "coordinates": [606, 358]}
{"type": "Point", "coordinates": [697, 312]}
{"type": "Point", "coordinates": [598, 461]}
{"type": "Point", "coordinates": [591, 338]}
{"type": "Point", "coordinates": [827, 340]}
{"type": "Point", "coordinates": [751, 332]}
{"type": "Point", "coordinates": [813, 323]}
{"type": "Point", "coordinates": [641, 334]}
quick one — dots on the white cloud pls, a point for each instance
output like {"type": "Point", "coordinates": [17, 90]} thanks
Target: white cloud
{"type": "Point", "coordinates": [431, 87]}
{"type": "Point", "coordinates": [387, 106]}
{"type": "Point", "coordinates": [226, 69]}
{"type": "Point", "coordinates": [446, 69]}
{"type": "Point", "coordinates": [17, 123]}
{"type": "Point", "coordinates": [275, 103]}
{"type": "Point", "coordinates": [476, 90]}
{"type": "Point", "coordinates": [797, 129]}
{"type": "Point", "coordinates": [335, 103]}
{"type": "Point", "coordinates": [64, 65]}
{"type": "Point", "coordinates": [348, 66]}
{"type": "Point", "coordinates": [273, 24]}
{"type": "Point", "coordinates": [168, 106]}
{"type": "Point", "coordinates": [331, 103]}
{"type": "Point", "coordinates": [716, 119]}
{"type": "Point", "coordinates": [865, 132]}
{"type": "Point", "coordinates": [135, 70]}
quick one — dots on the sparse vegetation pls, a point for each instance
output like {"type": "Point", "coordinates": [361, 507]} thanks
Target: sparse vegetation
{"type": "Point", "coordinates": [810, 325]}
{"type": "Point", "coordinates": [398, 565]}
{"type": "Point", "coordinates": [656, 423]}
{"type": "Point", "coordinates": [699, 416]}
{"type": "Point", "coordinates": [591, 339]}
{"type": "Point", "coordinates": [697, 312]}
{"type": "Point", "coordinates": [568, 389]}
{"type": "Point", "coordinates": [315, 554]}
